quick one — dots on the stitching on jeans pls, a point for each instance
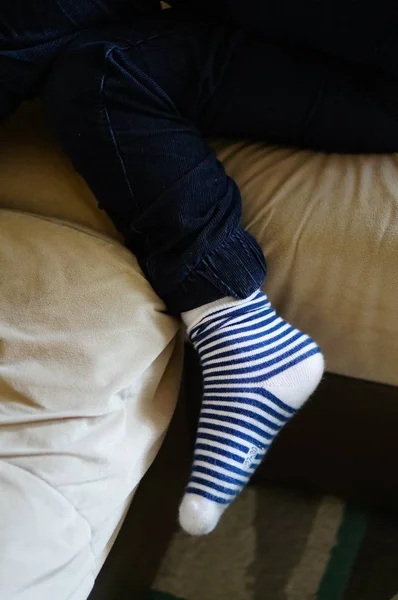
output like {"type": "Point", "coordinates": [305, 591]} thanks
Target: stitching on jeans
{"type": "Point", "coordinates": [205, 260]}
{"type": "Point", "coordinates": [106, 113]}
{"type": "Point", "coordinates": [221, 281]}
{"type": "Point", "coordinates": [237, 236]}
{"type": "Point", "coordinates": [103, 105]}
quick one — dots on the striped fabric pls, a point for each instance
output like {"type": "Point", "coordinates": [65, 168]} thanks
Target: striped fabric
{"type": "Point", "coordinates": [247, 353]}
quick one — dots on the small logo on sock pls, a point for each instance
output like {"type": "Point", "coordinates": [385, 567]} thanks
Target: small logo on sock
{"type": "Point", "coordinates": [251, 455]}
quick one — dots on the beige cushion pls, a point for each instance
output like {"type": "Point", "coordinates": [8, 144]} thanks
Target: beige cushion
{"type": "Point", "coordinates": [328, 226]}
{"type": "Point", "coordinates": [36, 177]}
{"type": "Point", "coordinates": [89, 375]}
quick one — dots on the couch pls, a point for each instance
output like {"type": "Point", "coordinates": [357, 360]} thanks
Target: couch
{"type": "Point", "coordinates": [91, 363]}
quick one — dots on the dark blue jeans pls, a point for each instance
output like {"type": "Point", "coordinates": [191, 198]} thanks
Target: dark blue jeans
{"type": "Point", "coordinates": [131, 106]}
{"type": "Point", "coordinates": [33, 32]}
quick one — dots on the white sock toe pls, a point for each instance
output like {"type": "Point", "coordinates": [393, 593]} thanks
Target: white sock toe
{"type": "Point", "coordinates": [198, 515]}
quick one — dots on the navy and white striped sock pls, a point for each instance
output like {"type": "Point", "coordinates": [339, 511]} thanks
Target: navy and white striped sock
{"type": "Point", "coordinates": [257, 372]}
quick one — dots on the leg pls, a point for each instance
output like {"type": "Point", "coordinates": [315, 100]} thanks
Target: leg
{"type": "Point", "coordinates": [124, 111]}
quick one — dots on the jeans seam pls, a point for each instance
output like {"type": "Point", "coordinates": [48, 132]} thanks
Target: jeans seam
{"type": "Point", "coordinates": [204, 259]}
{"type": "Point", "coordinates": [103, 104]}
{"type": "Point", "coordinates": [218, 278]}
{"type": "Point", "coordinates": [108, 120]}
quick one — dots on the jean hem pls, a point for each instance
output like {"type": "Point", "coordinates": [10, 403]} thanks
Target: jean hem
{"type": "Point", "coordinates": [236, 268]}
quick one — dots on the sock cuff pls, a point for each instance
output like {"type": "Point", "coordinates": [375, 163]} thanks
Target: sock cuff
{"type": "Point", "coordinates": [192, 317]}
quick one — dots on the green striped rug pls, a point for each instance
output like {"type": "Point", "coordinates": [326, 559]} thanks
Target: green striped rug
{"type": "Point", "coordinates": [282, 545]}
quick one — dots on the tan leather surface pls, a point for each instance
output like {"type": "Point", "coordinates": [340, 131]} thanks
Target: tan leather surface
{"type": "Point", "coordinates": [328, 226]}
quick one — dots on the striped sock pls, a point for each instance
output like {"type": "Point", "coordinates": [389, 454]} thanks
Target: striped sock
{"type": "Point", "coordinates": [257, 372]}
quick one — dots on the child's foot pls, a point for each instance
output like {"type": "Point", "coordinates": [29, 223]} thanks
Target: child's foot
{"type": "Point", "coordinates": [257, 372]}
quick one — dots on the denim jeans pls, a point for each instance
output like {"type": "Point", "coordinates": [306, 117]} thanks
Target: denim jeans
{"type": "Point", "coordinates": [362, 32]}
{"type": "Point", "coordinates": [33, 32]}
{"type": "Point", "coordinates": [132, 104]}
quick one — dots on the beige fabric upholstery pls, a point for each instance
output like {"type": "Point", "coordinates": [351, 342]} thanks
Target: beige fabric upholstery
{"type": "Point", "coordinates": [328, 226]}
{"type": "Point", "coordinates": [89, 375]}
{"type": "Point", "coordinates": [36, 177]}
